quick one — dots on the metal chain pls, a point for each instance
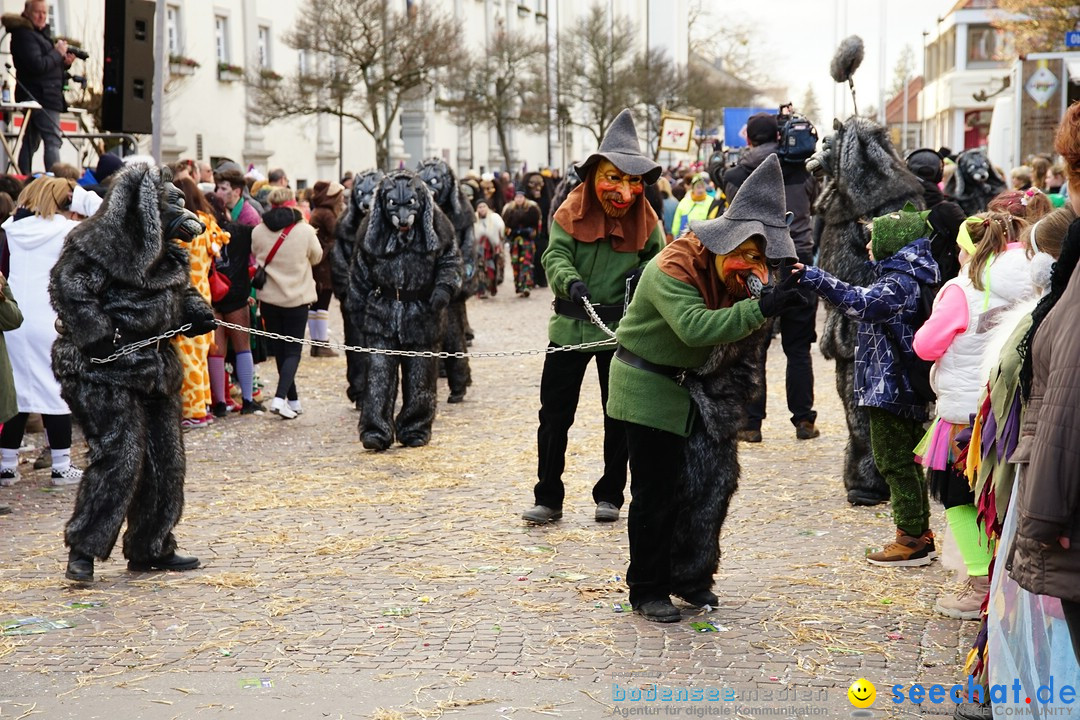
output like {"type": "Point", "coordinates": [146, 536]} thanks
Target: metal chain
{"type": "Point", "coordinates": [133, 347]}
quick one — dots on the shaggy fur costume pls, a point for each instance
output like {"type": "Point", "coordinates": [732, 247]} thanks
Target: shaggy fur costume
{"type": "Point", "coordinates": [720, 390]}
{"type": "Point", "coordinates": [456, 206]}
{"type": "Point", "coordinates": [975, 182]}
{"type": "Point", "coordinates": [118, 278]}
{"type": "Point", "coordinates": [342, 255]}
{"type": "Point", "coordinates": [865, 179]}
{"type": "Point", "coordinates": [423, 267]}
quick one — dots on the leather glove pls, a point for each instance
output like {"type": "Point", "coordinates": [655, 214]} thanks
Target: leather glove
{"type": "Point", "coordinates": [201, 321]}
{"type": "Point", "coordinates": [439, 299]}
{"type": "Point", "coordinates": [177, 222]}
{"type": "Point", "coordinates": [578, 291]}
{"type": "Point", "coordinates": [785, 296]}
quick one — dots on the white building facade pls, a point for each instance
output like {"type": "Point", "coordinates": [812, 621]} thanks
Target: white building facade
{"type": "Point", "coordinates": [205, 109]}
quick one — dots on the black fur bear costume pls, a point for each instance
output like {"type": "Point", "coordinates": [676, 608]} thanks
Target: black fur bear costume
{"type": "Point", "coordinates": [865, 178]}
{"type": "Point", "coordinates": [122, 278]}
{"type": "Point", "coordinates": [406, 270]}
{"type": "Point", "coordinates": [456, 206]}
{"type": "Point", "coordinates": [720, 390]}
{"type": "Point", "coordinates": [342, 254]}
{"type": "Point", "coordinates": [975, 182]}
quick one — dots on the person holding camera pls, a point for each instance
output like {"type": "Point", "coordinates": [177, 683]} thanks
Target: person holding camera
{"type": "Point", "coordinates": [797, 332]}
{"type": "Point", "coordinates": [40, 66]}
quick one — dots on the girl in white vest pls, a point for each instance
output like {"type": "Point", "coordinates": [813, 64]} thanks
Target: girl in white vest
{"type": "Point", "coordinates": [995, 275]}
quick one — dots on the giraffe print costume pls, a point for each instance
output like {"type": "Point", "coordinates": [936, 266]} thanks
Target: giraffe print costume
{"type": "Point", "coordinates": [193, 351]}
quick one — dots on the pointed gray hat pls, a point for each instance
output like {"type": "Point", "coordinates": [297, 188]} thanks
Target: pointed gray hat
{"type": "Point", "coordinates": [759, 208]}
{"type": "Point", "coordinates": [620, 147]}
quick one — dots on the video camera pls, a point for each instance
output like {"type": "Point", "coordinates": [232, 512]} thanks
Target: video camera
{"type": "Point", "coordinates": [78, 52]}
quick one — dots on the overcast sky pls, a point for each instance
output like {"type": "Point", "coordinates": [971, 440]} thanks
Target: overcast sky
{"type": "Point", "coordinates": [796, 40]}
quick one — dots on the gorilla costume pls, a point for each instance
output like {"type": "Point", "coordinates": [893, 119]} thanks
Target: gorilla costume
{"type": "Point", "coordinates": [405, 271]}
{"type": "Point", "coordinates": [122, 278]}
{"type": "Point", "coordinates": [452, 201]}
{"type": "Point", "coordinates": [341, 257]}
{"type": "Point", "coordinates": [865, 178]}
{"type": "Point", "coordinates": [975, 182]}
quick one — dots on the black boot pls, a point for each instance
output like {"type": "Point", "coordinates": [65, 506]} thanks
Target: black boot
{"type": "Point", "coordinates": [698, 598]}
{"type": "Point", "coordinates": [172, 561]}
{"type": "Point", "coordinates": [80, 568]}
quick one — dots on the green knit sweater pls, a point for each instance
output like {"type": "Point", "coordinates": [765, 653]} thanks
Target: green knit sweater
{"type": "Point", "coordinates": [602, 269]}
{"type": "Point", "coordinates": [668, 323]}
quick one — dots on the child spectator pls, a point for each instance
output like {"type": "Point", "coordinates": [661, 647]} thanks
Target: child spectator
{"type": "Point", "coordinates": [995, 275]}
{"type": "Point", "coordinates": [886, 311]}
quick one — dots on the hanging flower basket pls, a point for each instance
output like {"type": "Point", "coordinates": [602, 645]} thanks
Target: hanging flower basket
{"type": "Point", "coordinates": [180, 65]}
{"type": "Point", "coordinates": [269, 77]}
{"type": "Point", "coordinates": [229, 73]}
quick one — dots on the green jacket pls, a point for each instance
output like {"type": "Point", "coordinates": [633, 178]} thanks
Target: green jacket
{"type": "Point", "coordinates": [668, 323]}
{"type": "Point", "coordinates": [10, 318]}
{"type": "Point", "coordinates": [599, 267]}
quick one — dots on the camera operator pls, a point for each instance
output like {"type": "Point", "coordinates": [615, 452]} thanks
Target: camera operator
{"type": "Point", "coordinates": [40, 64]}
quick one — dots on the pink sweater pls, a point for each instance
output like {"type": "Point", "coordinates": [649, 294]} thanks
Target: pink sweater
{"type": "Point", "coordinates": [949, 319]}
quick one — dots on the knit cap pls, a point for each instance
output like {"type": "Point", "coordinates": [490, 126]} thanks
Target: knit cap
{"type": "Point", "coordinates": [897, 229]}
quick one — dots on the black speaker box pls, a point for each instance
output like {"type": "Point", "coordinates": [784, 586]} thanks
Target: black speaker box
{"type": "Point", "coordinates": [128, 80]}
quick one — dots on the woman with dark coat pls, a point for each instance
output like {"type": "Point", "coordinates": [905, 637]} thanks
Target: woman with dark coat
{"type": "Point", "coordinates": [327, 201]}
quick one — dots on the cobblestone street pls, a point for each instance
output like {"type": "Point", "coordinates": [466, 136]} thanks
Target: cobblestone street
{"type": "Point", "coordinates": [341, 583]}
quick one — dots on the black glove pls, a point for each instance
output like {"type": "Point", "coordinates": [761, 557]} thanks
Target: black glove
{"type": "Point", "coordinates": [178, 223]}
{"type": "Point", "coordinates": [578, 291]}
{"type": "Point", "coordinates": [202, 322]}
{"type": "Point", "coordinates": [103, 347]}
{"type": "Point", "coordinates": [439, 299]}
{"type": "Point", "coordinates": [785, 296]}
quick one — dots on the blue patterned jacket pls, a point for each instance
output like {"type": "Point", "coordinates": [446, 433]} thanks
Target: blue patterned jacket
{"type": "Point", "coordinates": [885, 311]}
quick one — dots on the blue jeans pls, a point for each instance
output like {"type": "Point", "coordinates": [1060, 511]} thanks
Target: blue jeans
{"type": "Point", "coordinates": [41, 125]}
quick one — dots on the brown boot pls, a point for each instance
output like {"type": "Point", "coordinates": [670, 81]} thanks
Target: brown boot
{"type": "Point", "coordinates": [966, 604]}
{"type": "Point", "coordinates": [319, 351]}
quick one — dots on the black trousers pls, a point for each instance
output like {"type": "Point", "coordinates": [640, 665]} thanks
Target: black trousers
{"type": "Point", "coordinates": [656, 458]}
{"type": "Point", "coordinates": [1071, 610]}
{"type": "Point", "coordinates": [290, 322]}
{"type": "Point", "coordinates": [797, 334]}
{"type": "Point", "coordinates": [560, 387]}
{"type": "Point", "coordinates": [57, 431]}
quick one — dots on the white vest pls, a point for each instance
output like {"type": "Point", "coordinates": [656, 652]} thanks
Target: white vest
{"type": "Point", "coordinates": [956, 376]}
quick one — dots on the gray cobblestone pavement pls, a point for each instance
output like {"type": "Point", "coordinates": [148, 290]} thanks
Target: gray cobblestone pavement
{"type": "Point", "coordinates": [342, 583]}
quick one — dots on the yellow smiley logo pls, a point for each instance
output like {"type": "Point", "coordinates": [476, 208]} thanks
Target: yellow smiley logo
{"type": "Point", "coordinates": [862, 693]}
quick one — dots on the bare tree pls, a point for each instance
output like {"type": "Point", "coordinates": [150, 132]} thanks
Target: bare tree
{"type": "Point", "coordinates": [709, 91]}
{"type": "Point", "coordinates": [902, 73]}
{"type": "Point", "coordinates": [598, 69]}
{"type": "Point", "coordinates": [1038, 26]}
{"type": "Point", "coordinates": [809, 107]}
{"type": "Point", "coordinates": [366, 60]}
{"type": "Point", "coordinates": [502, 86]}
{"type": "Point", "coordinates": [659, 85]}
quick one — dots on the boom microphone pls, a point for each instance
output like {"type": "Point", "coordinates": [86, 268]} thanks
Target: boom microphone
{"type": "Point", "coordinates": [846, 61]}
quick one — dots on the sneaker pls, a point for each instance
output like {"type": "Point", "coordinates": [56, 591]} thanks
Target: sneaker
{"type": "Point", "coordinates": [750, 436]}
{"type": "Point", "coordinates": [278, 406]}
{"type": "Point", "coordinates": [221, 409]}
{"type": "Point", "coordinates": [294, 405]}
{"type": "Point", "coordinates": [9, 477]}
{"type": "Point", "coordinates": [199, 422]}
{"type": "Point", "coordinates": [966, 604]}
{"type": "Point", "coordinates": [974, 711]}
{"type": "Point", "coordinates": [606, 512]}
{"type": "Point", "coordinates": [71, 476]}
{"type": "Point", "coordinates": [541, 515]}
{"type": "Point", "coordinates": [905, 551]}
{"type": "Point", "coordinates": [805, 430]}
{"type": "Point", "coordinates": [250, 407]}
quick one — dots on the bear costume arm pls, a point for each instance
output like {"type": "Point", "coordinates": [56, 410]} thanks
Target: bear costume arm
{"type": "Point", "coordinates": [76, 290]}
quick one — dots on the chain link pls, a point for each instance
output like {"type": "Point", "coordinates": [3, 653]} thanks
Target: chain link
{"type": "Point", "coordinates": [133, 347]}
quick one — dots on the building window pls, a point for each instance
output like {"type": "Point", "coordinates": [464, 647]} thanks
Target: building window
{"type": "Point", "coordinates": [264, 47]}
{"type": "Point", "coordinates": [304, 65]}
{"type": "Point", "coordinates": [172, 30]}
{"type": "Point", "coordinates": [221, 38]}
{"type": "Point", "coordinates": [988, 47]}
{"type": "Point", "coordinates": [56, 18]}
